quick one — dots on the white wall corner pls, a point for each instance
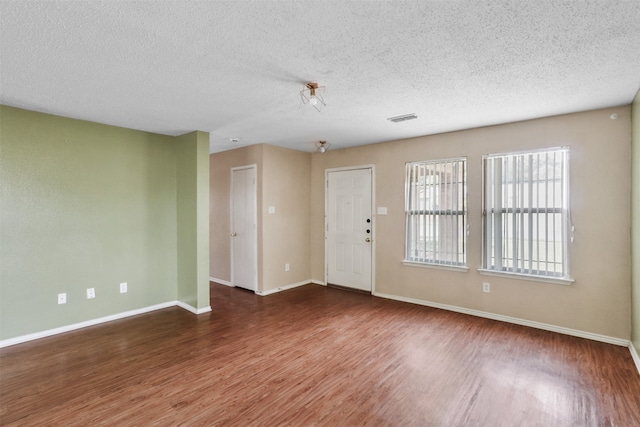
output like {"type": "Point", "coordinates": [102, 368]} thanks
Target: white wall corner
{"type": "Point", "coordinates": [192, 309]}
{"type": "Point", "coordinates": [283, 288]}
{"type": "Point", "coordinates": [220, 281]}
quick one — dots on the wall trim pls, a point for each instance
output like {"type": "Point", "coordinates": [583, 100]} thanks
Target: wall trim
{"type": "Point", "coordinates": [319, 282]}
{"type": "Point", "coordinates": [222, 282]}
{"type": "Point", "coordinates": [283, 288]}
{"type": "Point", "coordinates": [192, 309]}
{"type": "Point", "coordinates": [92, 322]}
{"type": "Point", "coordinates": [635, 356]}
{"type": "Point", "coordinates": [567, 331]}
{"type": "Point", "coordinates": [509, 319]}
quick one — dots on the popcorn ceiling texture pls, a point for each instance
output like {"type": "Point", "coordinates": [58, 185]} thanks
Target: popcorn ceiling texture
{"type": "Point", "coordinates": [235, 69]}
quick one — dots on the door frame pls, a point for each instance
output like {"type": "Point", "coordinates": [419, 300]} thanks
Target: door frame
{"type": "Point", "coordinates": [255, 219]}
{"type": "Point", "coordinates": [371, 167]}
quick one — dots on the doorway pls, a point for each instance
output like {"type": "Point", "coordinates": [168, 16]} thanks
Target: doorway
{"type": "Point", "coordinates": [349, 228]}
{"type": "Point", "coordinates": [244, 228]}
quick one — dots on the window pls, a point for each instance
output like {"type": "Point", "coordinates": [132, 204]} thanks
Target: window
{"type": "Point", "coordinates": [436, 212]}
{"type": "Point", "coordinates": [526, 215]}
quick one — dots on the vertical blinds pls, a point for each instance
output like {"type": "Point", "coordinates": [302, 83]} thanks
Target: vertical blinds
{"type": "Point", "coordinates": [435, 207]}
{"type": "Point", "coordinates": [526, 212]}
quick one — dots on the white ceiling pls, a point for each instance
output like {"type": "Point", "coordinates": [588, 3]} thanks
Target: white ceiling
{"type": "Point", "coordinates": [235, 68]}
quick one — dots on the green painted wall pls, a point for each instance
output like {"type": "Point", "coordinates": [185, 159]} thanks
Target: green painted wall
{"type": "Point", "coordinates": [635, 223]}
{"type": "Point", "coordinates": [88, 205]}
{"type": "Point", "coordinates": [193, 218]}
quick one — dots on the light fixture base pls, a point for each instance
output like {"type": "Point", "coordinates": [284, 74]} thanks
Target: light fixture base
{"type": "Point", "coordinates": [322, 146]}
{"type": "Point", "coordinates": [312, 94]}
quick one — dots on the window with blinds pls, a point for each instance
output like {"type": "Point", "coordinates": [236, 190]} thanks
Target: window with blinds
{"type": "Point", "coordinates": [526, 213]}
{"type": "Point", "coordinates": [436, 212]}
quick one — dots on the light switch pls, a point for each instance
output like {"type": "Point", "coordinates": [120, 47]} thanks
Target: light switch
{"type": "Point", "coordinates": [272, 209]}
{"type": "Point", "coordinates": [382, 210]}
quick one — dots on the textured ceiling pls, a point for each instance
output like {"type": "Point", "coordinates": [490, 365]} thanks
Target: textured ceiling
{"type": "Point", "coordinates": [235, 68]}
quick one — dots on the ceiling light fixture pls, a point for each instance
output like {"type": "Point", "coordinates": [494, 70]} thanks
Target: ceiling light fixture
{"type": "Point", "coordinates": [312, 94]}
{"type": "Point", "coordinates": [322, 146]}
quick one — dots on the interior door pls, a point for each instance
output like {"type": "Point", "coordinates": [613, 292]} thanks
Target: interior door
{"type": "Point", "coordinates": [349, 228]}
{"type": "Point", "coordinates": [244, 233]}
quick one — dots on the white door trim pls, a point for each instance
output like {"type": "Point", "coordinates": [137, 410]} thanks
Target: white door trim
{"type": "Point", "coordinates": [372, 167]}
{"type": "Point", "coordinates": [255, 219]}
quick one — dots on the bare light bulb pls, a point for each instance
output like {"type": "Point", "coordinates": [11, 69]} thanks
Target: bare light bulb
{"type": "Point", "coordinates": [323, 149]}
{"type": "Point", "coordinates": [313, 100]}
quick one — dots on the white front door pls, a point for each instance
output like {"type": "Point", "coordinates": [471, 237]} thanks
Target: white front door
{"type": "Point", "coordinates": [244, 233]}
{"type": "Point", "coordinates": [349, 228]}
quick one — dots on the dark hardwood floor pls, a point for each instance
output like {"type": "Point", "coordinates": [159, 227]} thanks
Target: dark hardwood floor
{"type": "Point", "coordinates": [316, 356]}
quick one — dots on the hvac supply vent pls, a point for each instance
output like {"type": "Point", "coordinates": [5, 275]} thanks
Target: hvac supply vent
{"type": "Point", "coordinates": [404, 118]}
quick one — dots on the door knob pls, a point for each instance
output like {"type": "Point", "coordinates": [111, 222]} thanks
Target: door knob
{"type": "Point", "coordinates": [367, 240]}
{"type": "Point", "coordinates": [234, 234]}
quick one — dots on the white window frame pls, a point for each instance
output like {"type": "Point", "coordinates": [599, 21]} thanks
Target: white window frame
{"type": "Point", "coordinates": [508, 226]}
{"type": "Point", "coordinates": [455, 210]}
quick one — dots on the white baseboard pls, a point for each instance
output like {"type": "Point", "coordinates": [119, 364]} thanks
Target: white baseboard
{"type": "Point", "coordinates": [635, 356]}
{"type": "Point", "coordinates": [192, 308]}
{"type": "Point", "coordinates": [270, 291]}
{"type": "Point", "coordinates": [509, 319]}
{"type": "Point", "coordinates": [283, 288]}
{"type": "Point", "coordinates": [92, 322]}
{"type": "Point", "coordinates": [222, 282]}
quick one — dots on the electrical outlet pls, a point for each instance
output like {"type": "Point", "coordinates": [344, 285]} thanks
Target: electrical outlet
{"type": "Point", "coordinates": [62, 298]}
{"type": "Point", "coordinates": [91, 293]}
{"type": "Point", "coordinates": [286, 267]}
{"type": "Point", "coordinates": [123, 287]}
{"type": "Point", "coordinates": [486, 287]}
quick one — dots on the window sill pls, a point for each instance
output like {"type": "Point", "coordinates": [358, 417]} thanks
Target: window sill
{"type": "Point", "coordinates": [458, 268]}
{"type": "Point", "coordinates": [552, 280]}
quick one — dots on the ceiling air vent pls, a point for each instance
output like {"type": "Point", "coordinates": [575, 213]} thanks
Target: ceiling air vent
{"type": "Point", "coordinates": [399, 119]}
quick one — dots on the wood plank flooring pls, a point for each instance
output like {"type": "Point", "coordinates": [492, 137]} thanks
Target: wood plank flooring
{"type": "Point", "coordinates": [315, 356]}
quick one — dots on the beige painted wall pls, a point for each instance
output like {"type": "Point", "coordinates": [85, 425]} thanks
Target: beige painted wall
{"type": "Point", "coordinates": [283, 237]}
{"type": "Point", "coordinates": [635, 226]}
{"type": "Point", "coordinates": [598, 301]}
{"type": "Point", "coordinates": [286, 180]}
